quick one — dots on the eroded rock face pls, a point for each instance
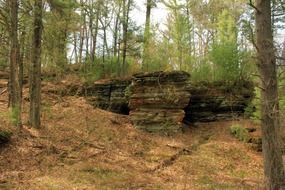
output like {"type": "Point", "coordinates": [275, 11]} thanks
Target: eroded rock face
{"type": "Point", "coordinates": [218, 100]}
{"type": "Point", "coordinates": [99, 94]}
{"type": "Point", "coordinates": [157, 100]}
{"type": "Point", "coordinates": [160, 101]}
{"type": "Point", "coordinates": [109, 95]}
{"type": "Point", "coordinates": [118, 98]}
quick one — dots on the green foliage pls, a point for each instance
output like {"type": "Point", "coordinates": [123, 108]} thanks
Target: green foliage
{"type": "Point", "coordinates": [226, 27]}
{"type": "Point", "coordinates": [62, 4]}
{"type": "Point", "coordinates": [110, 68]}
{"type": "Point", "coordinates": [253, 110]}
{"type": "Point", "coordinates": [225, 58]}
{"type": "Point", "coordinates": [178, 35]}
{"type": "Point", "coordinates": [128, 92]}
{"type": "Point", "coordinates": [98, 70]}
{"type": "Point", "coordinates": [202, 72]}
{"type": "Point", "coordinates": [240, 132]}
{"type": "Point", "coordinates": [229, 62]}
{"type": "Point", "coordinates": [60, 22]}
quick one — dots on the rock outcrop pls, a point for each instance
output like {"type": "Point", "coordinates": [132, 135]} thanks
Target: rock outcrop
{"type": "Point", "coordinates": [109, 95]}
{"type": "Point", "coordinates": [160, 101]}
{"type": "Point", "coordinates": [99, 94]}
{"type": "Point", "coordinates": [218, 100]}
{"type": "Point", "coordinates": [118, 99]}
{"type": "Point", "coordinates": [157, 100]}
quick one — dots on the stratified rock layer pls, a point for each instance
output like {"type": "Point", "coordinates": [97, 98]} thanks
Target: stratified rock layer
{"type": "Point", "coordinates": [218, 100]}
{"type": "Point", "coordinates": [109, 95]}
{"type": "Point", "coordinates": [99, 94]}
{"type": "Point", "coordinates": [157, 100]}
{"type": "Point", "coordinates": [118, 100]}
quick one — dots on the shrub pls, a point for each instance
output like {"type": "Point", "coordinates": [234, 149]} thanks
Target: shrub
{"type": "Point", "coordinates": [240, 132]}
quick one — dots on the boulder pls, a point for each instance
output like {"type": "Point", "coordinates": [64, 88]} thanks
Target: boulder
{"type": "Point", "coordinates": [157, 100]}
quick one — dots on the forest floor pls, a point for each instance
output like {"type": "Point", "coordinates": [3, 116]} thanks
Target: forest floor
{"type": "Point", "coordinates": [82, 148]}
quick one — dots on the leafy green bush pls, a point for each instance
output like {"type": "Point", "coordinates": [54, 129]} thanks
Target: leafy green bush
{"type": "Point", "coordinates": [226, 61]}
{"type": "Point", "coordinates": [202, 72]}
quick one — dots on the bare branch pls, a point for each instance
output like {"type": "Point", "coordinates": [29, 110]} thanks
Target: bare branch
{"type": "Point", "coordinates": [253, 6]}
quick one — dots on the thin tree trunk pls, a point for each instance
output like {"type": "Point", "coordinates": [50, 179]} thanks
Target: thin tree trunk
{"type": "Point", "coordinates": [189, 26]}
{"type": "Point", "coordinates": [14, 81]}
{"type": "Point", "coordinates": [118, 59]}
{"type": "Point", "coordinates": [283, 54]}
{"type": "Point", "coordinates": [271, 141]}
{"type": "Point", "coordinates": [126, 10]}
{"type": "Point", "coordinates": [21, 61]}
{"type": "Point", "coordinates": [146, 36]}
{"type": "Point", "coordinates": [95, 34]}
{"type": "Point", "coordinates": [105, 41]}
{"type": "Point", "coordinates": [75, 47]}
{"type": "Point", "coordinates": [81, 35]}
{"type": "Point", "coordinates": [35, 70]}
{"type": "Point", "coordinates": [117, 23]}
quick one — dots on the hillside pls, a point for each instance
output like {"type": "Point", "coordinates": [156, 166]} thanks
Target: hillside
{"type": "Point", "coordinates": [80, 147]}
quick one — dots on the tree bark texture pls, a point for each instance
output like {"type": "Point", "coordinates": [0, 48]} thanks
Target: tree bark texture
{"type": "Point", "coordinates": [35, 70]}
{"type": "Point", "coordinates": [14, 79]}
{"type": "Point", "coordinates": [271, 140]}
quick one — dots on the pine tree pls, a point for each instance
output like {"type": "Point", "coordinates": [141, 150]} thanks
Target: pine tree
{"type": "Point", "coordinates": [35, 70]}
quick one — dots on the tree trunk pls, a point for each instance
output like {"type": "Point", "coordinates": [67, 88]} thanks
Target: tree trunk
{"type": "Point", "coordinates": [189, 26]}
{"type": "Point", "coordinates": [146, 35]}
{"type": "Point", "coordinates": [75, 47]}
{"type": "Point", "coordinates": [283, 54]}
{"type": "Point", "coordinates": [21, 60]}
{"type": "Point", "coordinates": [35, 72]}
{"type": "Point", "coordinates": [115, 35]}
{"type": "Point", "coordinates": [271, 141]}
{"type": "Point", "coordinates": [126, 10]}
{"type": "Point", "coordinates": [14, 81]}
{"type": "Point", "coordinates": [95, 34]}
{"type": "Point", "coordinates": [81, 34]}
